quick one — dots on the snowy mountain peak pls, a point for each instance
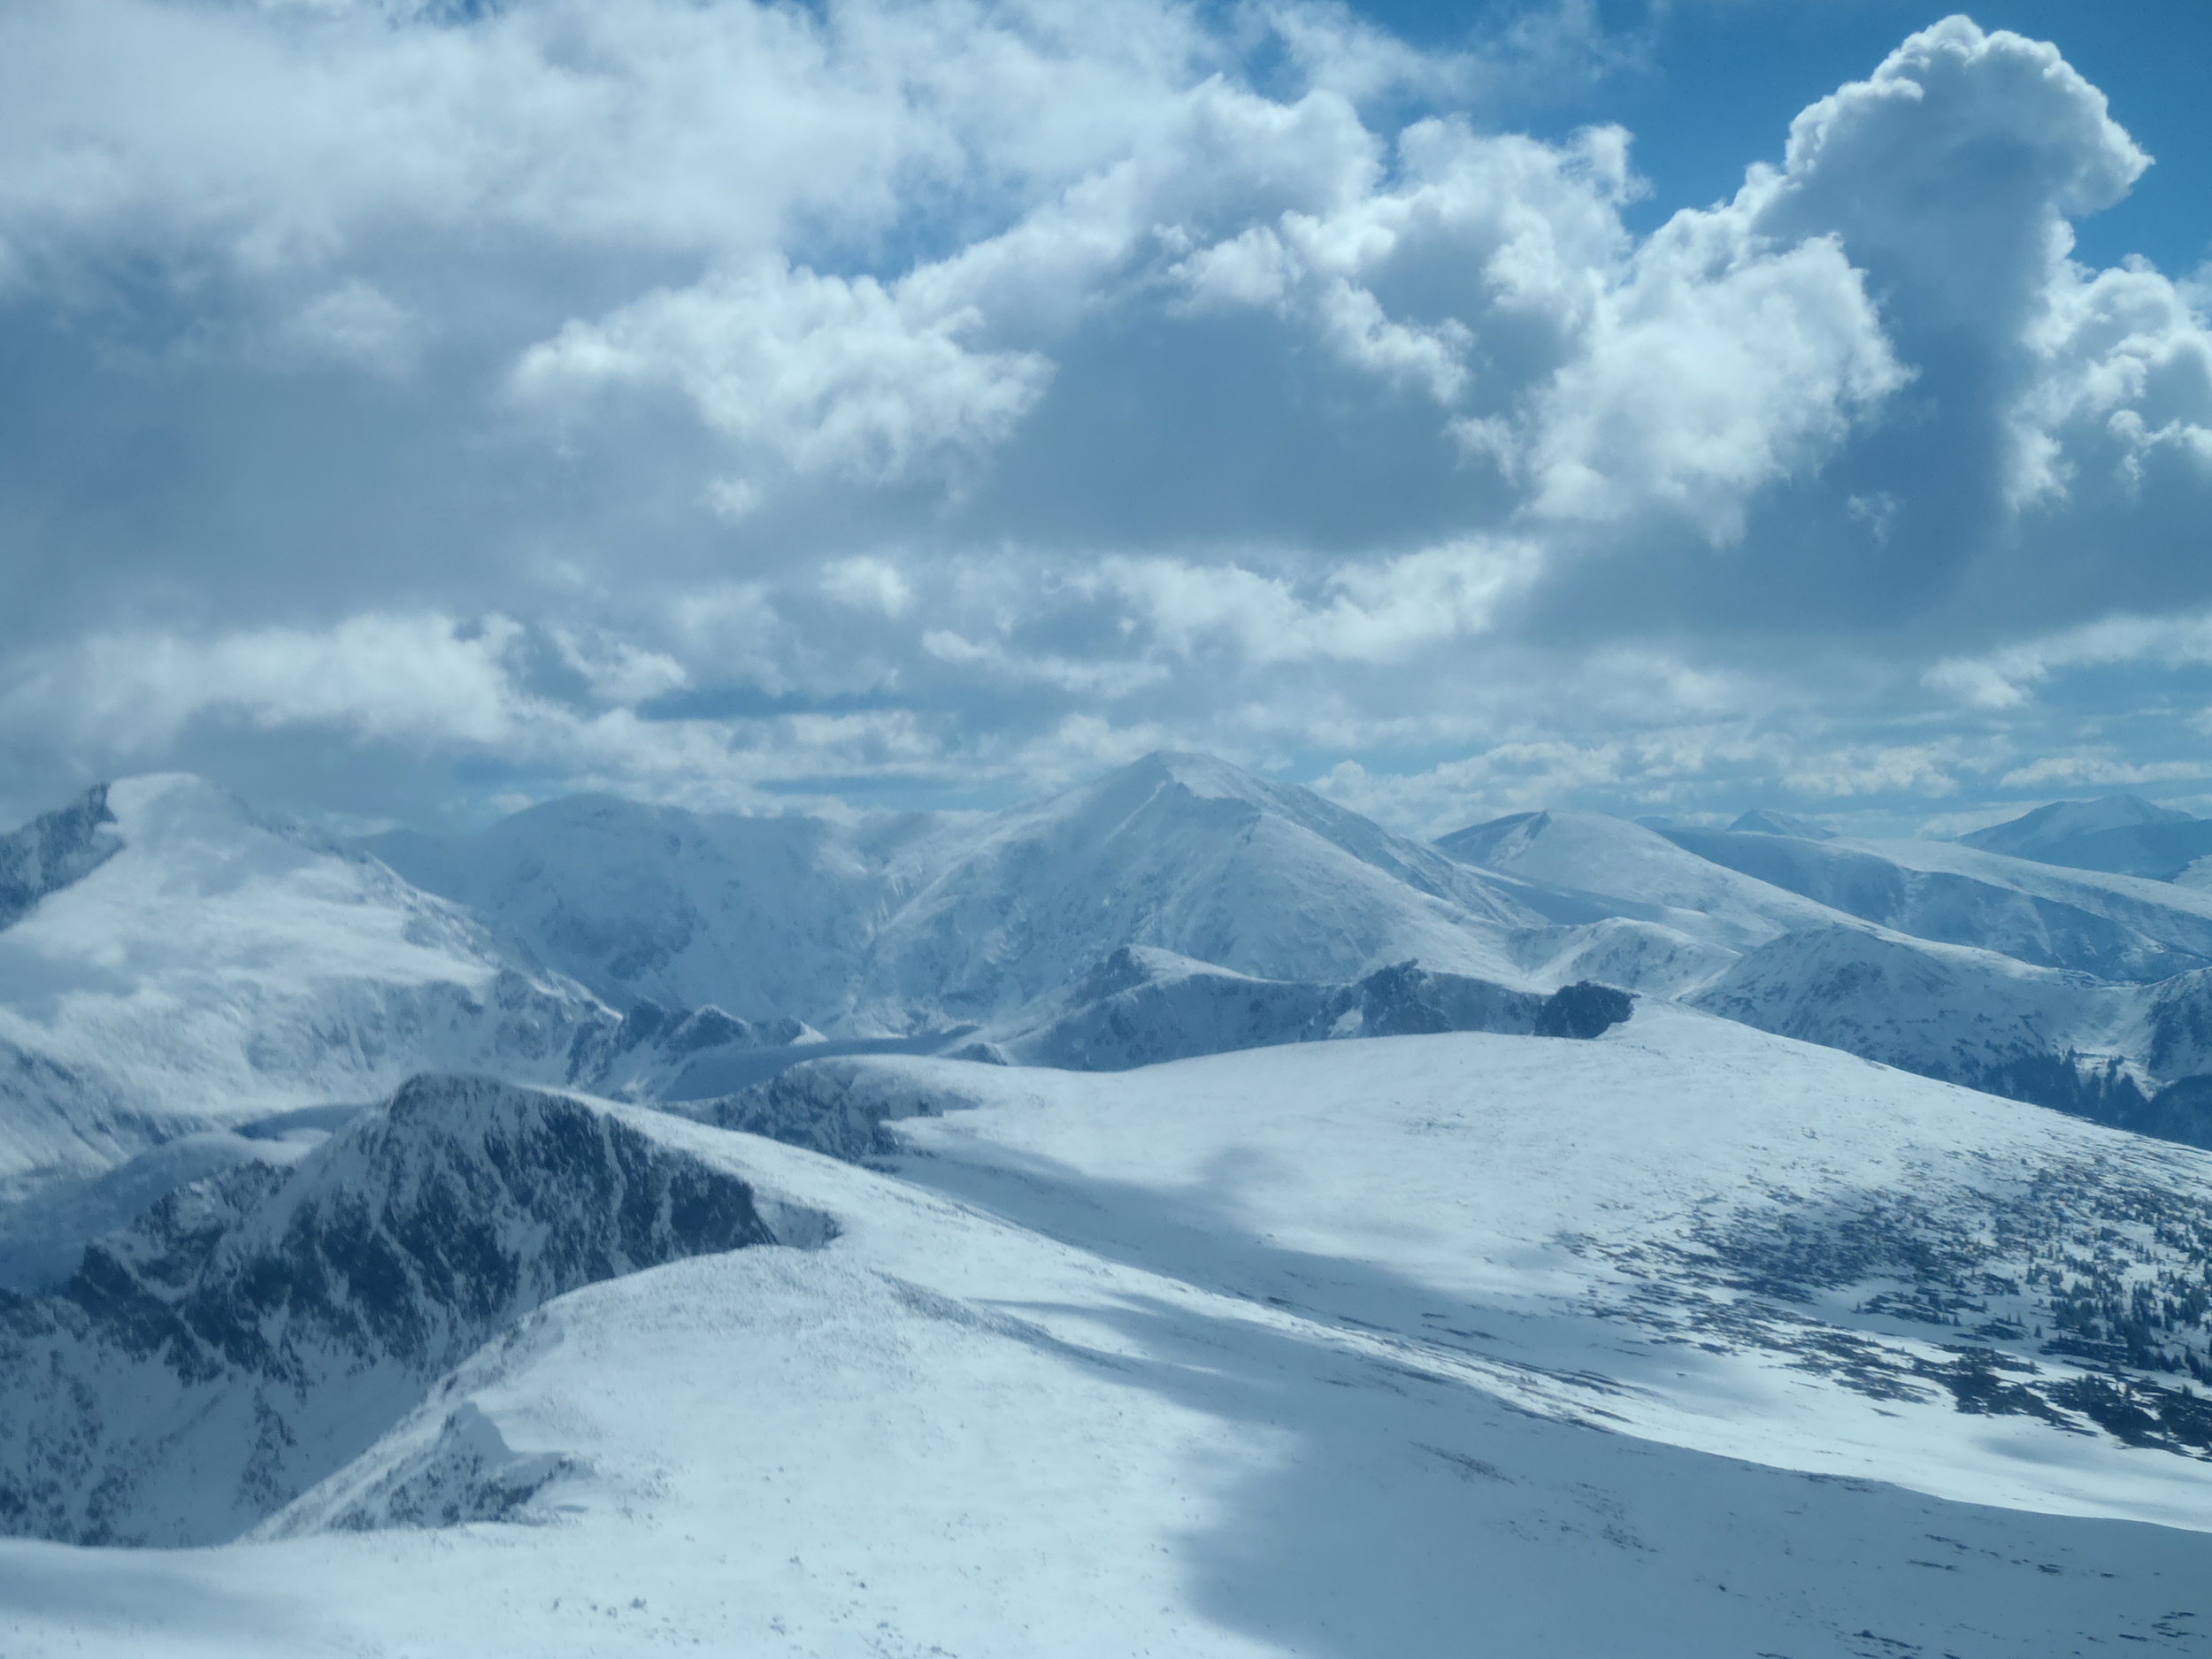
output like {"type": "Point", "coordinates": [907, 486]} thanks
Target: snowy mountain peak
{"type": "Point", "coordinates": [177, 801]}
{"type": "Point", "coordinates": [1185, 854]}
{"type": "Point", "coordinates": [1207, 776]}
{"type": "Point", "coordinates": [1759, 821]}
{"type": "Point", "coordinates": [187, 961]}
{"type": "Point", "coordinates": [1496, 840]}
{"type": "Point", "coordinates": [1103, 803]}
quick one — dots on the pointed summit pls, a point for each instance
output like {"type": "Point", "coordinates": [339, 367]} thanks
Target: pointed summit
{"type": "Point", "coordinates": [1759, 821]}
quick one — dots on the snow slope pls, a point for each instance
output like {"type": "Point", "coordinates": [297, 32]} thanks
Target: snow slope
{"type": "Point", "coordinates": [1637, 873]}
{"type": "Point", "coordinates": [210, 967]}
{"type": "Point", "coordinates": [1422, 1346]}
{"type": "Point", "coordinates": [1737, 889]}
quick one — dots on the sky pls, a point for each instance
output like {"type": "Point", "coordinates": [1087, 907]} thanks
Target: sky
{"type": "Point", "coordinates": [413, 409]}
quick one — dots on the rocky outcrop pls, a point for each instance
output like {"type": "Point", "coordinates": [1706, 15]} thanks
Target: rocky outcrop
{"type": "Point", "coordinates": [1140, 1006]}
{"type": "Point", "coordinates": [642, 1056]}
{"type": "Point", "coordinates": [253, 1332]}
{"type": "Point", "coordinates": [53, 850]}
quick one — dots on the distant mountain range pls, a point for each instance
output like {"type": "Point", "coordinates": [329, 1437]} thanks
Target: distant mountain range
{"type": "Point", "coordinates": [178, 971]}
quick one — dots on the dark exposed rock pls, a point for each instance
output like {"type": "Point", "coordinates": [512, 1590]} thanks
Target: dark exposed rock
{"type": "Point", "coordinates": [651, 1034]}
{"type": "Point", "coordinates": [255, 1331]}
{"type": "Point", "coordinates": [2082, 1285]}
{"type": "Point", "coordinates": [1138, 1008]}
{"type": "Point", "coordinates": [1584, 1010]}
{"type": "Point", "coordinates": [53, 850]}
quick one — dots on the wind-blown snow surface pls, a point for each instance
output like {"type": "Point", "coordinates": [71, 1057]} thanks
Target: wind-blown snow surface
{"type": "Point", "coordinates": [1419, 1346]}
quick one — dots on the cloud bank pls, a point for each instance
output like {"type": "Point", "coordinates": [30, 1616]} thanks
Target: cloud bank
{"type": "Point", "coordinates": [739, 404]}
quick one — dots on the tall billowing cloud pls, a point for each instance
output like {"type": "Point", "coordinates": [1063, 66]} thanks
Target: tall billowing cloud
{"type": "Point", "coordinates": [733, 402]}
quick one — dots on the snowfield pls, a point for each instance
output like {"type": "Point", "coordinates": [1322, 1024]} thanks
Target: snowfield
{"type": "Point", "coordinates": [1411, 1345]}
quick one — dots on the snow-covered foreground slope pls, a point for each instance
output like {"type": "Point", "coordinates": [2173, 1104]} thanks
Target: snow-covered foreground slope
{"type": "Point", "coordinates": [193, 964]}
{"type": "Point", "coordinates": [1416, 1346]}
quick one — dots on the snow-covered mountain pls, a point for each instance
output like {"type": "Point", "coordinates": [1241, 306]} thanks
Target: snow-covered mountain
{"type": "Point", "coordinates": [256, 1331]}
{"type": "Point", "coordinates": [2120, 833]}
{"type": "Point", "coordinates": [179, 965]}
{"type": "Point", "coordinates": [2118, 928]}
{"type": "Point", "coordinates": [898, 926]}
{"type": "Point", "coordinates": [50, 852]}
{"type": "Point", "coordinates": [762, 916]}
{"type": "Point", "coordinates": [179, 962]}
{"type": "Point", "coordinates": [1761, 821]}
{"type": "Point", "coordinates": [2063, 987]}
{"type": "Point", "coordinates": [1687, 1340]}
{"type": "Point", "coordinates": [1737, 888]}
{"type": "Point", "coordinates": [1184, 854]}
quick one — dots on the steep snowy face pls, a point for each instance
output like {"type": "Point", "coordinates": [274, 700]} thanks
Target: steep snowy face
{"type": "Point", "coordinates": [1182, 855]}
{"type": "Point", "coordinates": [252, 1332]}
{"type": "Point", "coordinates": [207, 965]}
{"type": "Point", "coordinates": [1995, 903]}
{"type": "Point", "coordinates": [2119, 834]}
{"type": "Point", "coordinates": [761, 916]}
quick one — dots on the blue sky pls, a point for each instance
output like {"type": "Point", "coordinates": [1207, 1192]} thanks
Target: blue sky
{"type": "Point", "coordinates": [410, 410]}
{"type": "Point", "coordinates": [1709, 85]}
